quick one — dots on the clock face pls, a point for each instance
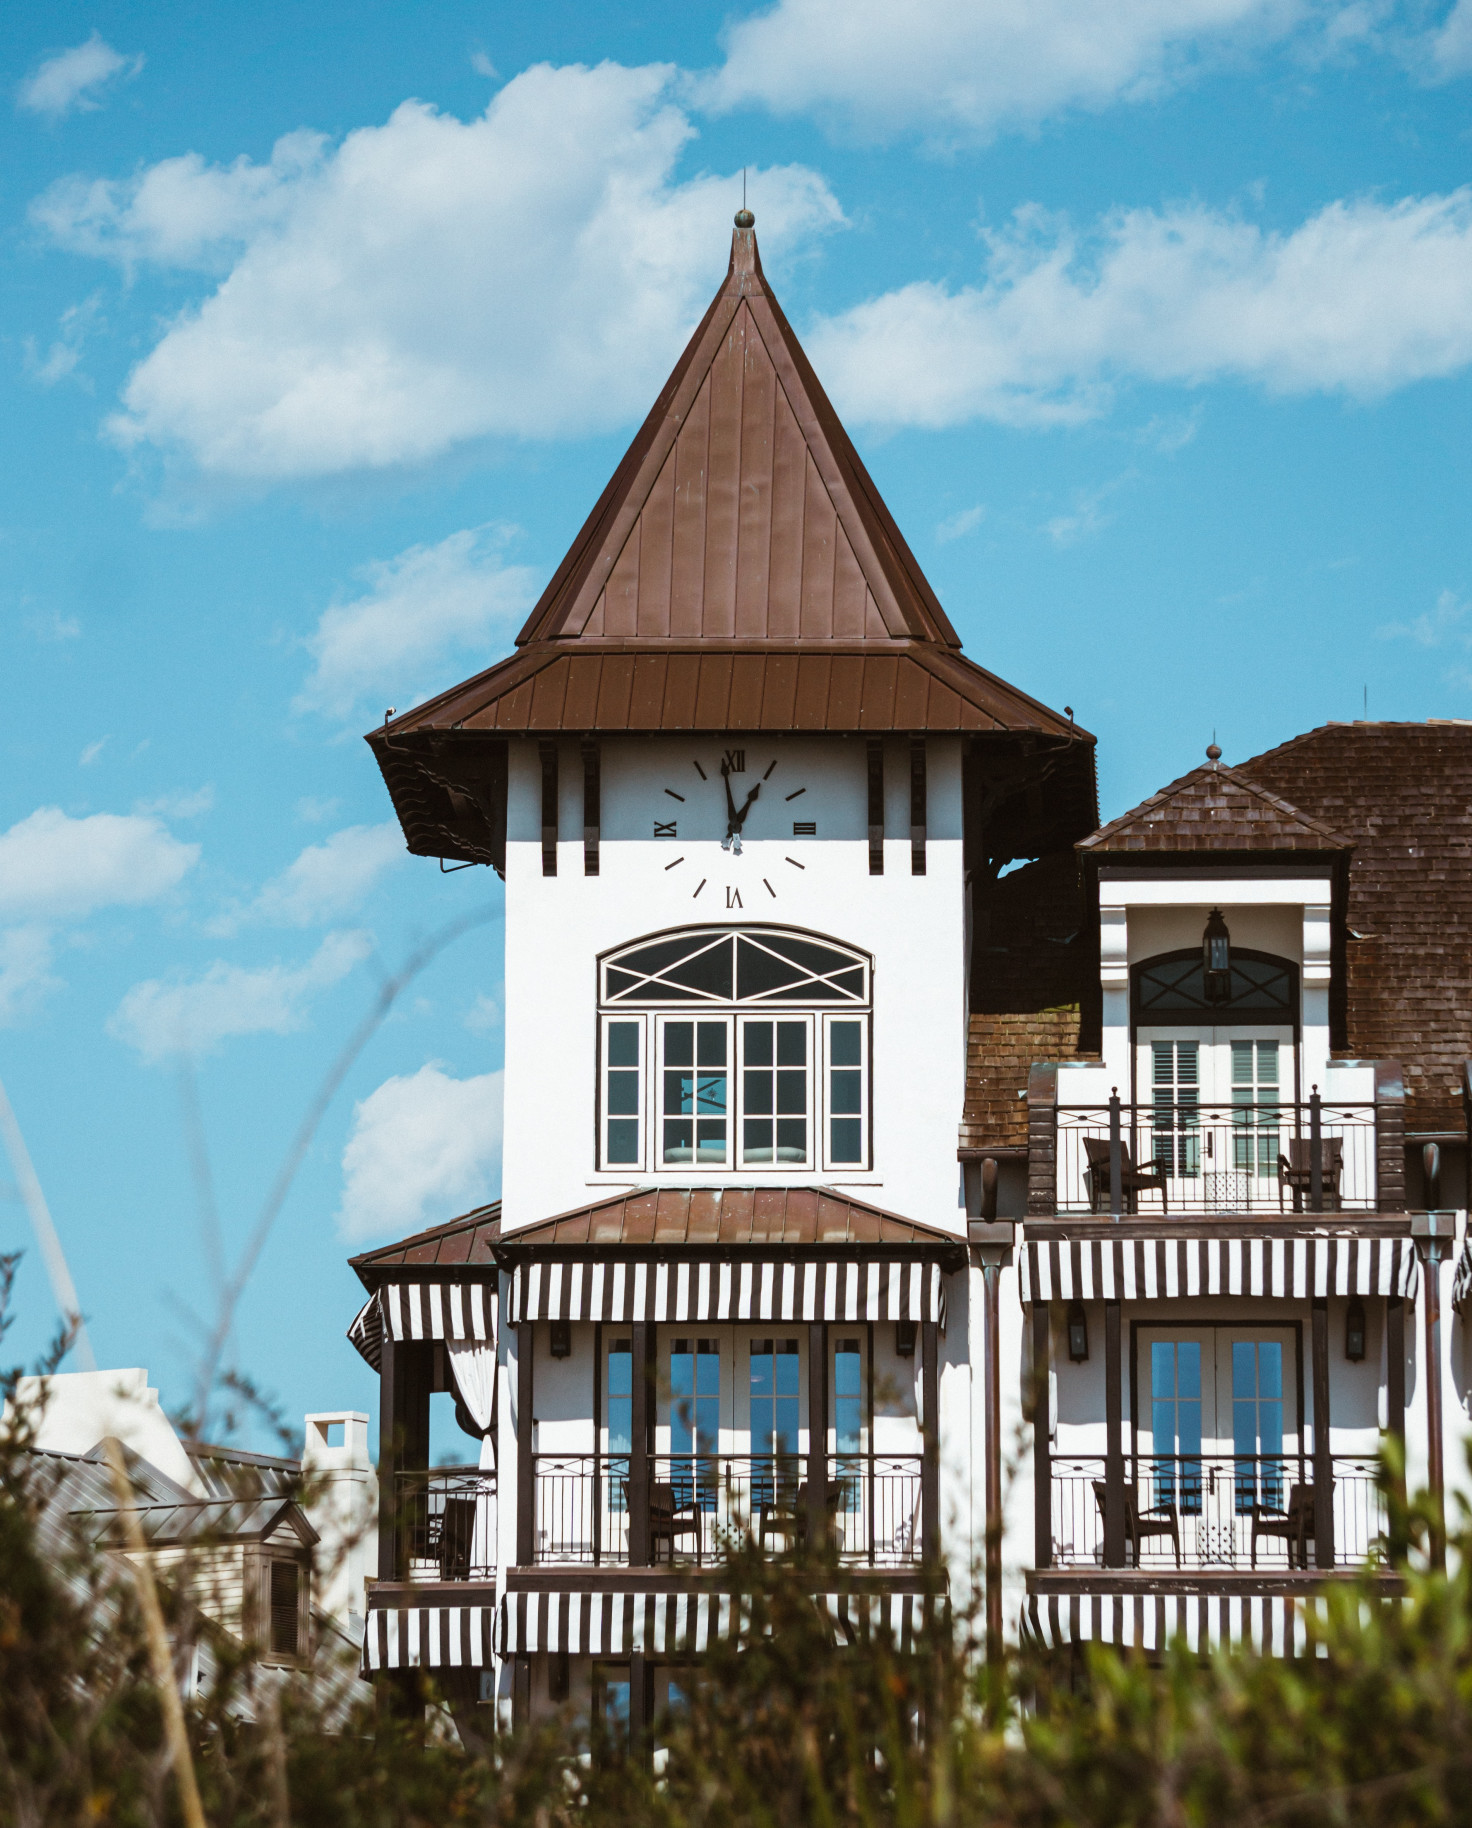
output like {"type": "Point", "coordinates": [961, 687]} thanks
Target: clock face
{"type": "Point", "coordinates": [742, 798]}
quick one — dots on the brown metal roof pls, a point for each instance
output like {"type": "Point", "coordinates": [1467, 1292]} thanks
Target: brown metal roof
{"type": "Point", "coordinates": [724, 686]}
{"type": "Point", "coordinates": [1214, 809]}
{"type": "Point", "coordinates": [470, 1239]}
{"type": "Point", "coordinates": [1404, 793]}
{"type": "Point", "coordinates": [754, 1217]}
{"type": "Point", "coordinates": [741, 509]}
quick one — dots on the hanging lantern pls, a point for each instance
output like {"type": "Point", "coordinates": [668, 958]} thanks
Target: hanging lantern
{"type": "Point", "coordinates": [1216, 958]}
{"type": "Point", "coordinates": [1354, 1331]}
{"type": "Point", "coordinates": [1078, 1333]}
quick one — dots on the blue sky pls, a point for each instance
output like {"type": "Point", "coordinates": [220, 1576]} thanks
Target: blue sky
{"type": "Point", "coordinates": [320, 330]}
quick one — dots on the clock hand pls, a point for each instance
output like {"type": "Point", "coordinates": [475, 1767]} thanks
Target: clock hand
{"type": "Point", "coordinates": [740, 817]}
{"type": "Point", "coordinates": [730, 803]}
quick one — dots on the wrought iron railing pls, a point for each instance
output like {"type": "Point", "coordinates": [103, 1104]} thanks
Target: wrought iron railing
{"type": "Point", "coordinates": [1179, 1156]}
{"type": "Point", "coordinates": [701, 1505]}
{"type": "Point", "coordinates": [447, 1523]}
{"type": "Point", "coordinates": [1202, 1511]}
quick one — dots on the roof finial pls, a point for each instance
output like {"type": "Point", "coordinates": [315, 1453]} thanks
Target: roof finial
{"type": "Point", "coordinates": [744, 217]}
{"type": "Point", "coordinates": [1213, 753]}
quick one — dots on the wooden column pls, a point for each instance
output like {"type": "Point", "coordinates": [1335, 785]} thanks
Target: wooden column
{"type": "Point", "coordinates": [917, 805]}
{"type": "Point", "coordinates": [1042, 1451]}
{"type": "Point", "coordinates": [930, 1422]}
{"type": "Point", "coordinates": [1433, 1232]}
{"type": "Point", "coordinates": [547, 750]}
{"type": "Point", "coordinates": [526, 1469]}
{"type": "Point", "coordinates": [639, 1709]}
{"type": "Point", "coordinates": [1323, 1459]}
{"type": "Point", "coordinates": [388, 1459]}
{"type": "Point", "coordinates": [641, 1420]}
{"type": "Point", "coordinates": [592, 804]}
{"type": "Point", "coordinates": [1114, 1534]}
{"type": "Point", "coordinates": [991, 1271]}
{"type": "Point", "coordinates": [818, 1436]}
{"type": "Point", "coordinates": [1395, 1394]}
{"type": "Point", "coordinates": [876, 805]}
{"type": "Point", "coordinates": [521, 1693]}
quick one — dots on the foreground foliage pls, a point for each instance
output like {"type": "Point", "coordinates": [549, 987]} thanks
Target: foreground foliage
{"type": "Point", "coordinates": [797, 1728]}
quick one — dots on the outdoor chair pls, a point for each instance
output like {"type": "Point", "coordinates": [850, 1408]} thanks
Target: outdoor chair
{"type": "Point", "coordinates": [788, 1517]}
{"type": "Point", "coordinates": [1295, 1525]}
{"type": "Point", "coordinates": [1295, 1172]}
{"type": "Point", "coordinates": [1132, 1180]}
{"type": "Point", "coordinates": [1139, 1525]}
{"type": "Point", "coordinates": [457, 1533]}
{"type": "Point", "coordinates": [668, 1520]}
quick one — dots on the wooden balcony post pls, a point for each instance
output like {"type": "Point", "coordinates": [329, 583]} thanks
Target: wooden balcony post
{"type": "Point", "coordinates": [1395, 1393]}
{"type": "Point", "coordinates": [817, 1521]}
{"type": "Point", "coordinates": [1315, 1152]}
{"type": "Point", "coordinates": [388, 1459]}
{"type": "Point", "coordinates": [1323, 1457]}
{"type": "Point", "coordinates": [1434, 1233]}
{"type": "Point", "coordinates": [1116, 1164]}
{"type": "Point", "coordinates": [526, 1488]}
{"type": "Point", "coordinates": [1042, 1139]}
{"type": "Point", "coordinates": [930, 1422]}
{"type": "Point", "coordinates": [641, 1422]}
{"type": "Point", "coordinates": [1042, 1451]}
{"type": "Point", "coordinates": [639, 1709]}
{"type": "Point", "coordinates": [1114, 1532]}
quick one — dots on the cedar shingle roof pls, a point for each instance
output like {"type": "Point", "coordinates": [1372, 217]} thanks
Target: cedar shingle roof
{"type": "Point", "coordinates": [1403, 792]}
{"type": "Point", "coordinates": [1216, 809]}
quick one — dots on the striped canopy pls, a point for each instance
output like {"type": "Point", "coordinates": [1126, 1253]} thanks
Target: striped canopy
{"type": "Point", "coordinates": [589, 1289]}
{"type": "Point", "coordinates": [1149, 1269]}
{"type": "Point", "coordinates": [429, 1637]}
{"type": "Point", "coordinates": [1272, 1624]}
{"type": "Point", "coordinates": [425, 1310]}
{"type": "Point", "coordinates": [682, 1624]}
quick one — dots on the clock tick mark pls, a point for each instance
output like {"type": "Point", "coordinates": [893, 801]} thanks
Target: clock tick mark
{"type": "Point", "coordinates": [793, 796]}
{"type": "Point", "coordinates": [701, 772]}
{"type": "Point", "coordinates": [768, 775]}
{"type": "Point", "coordinates": [795, 864]}
{"type": "Point", "coordinates": [669, 866]}
{"type": "Point", "coordinates": [768, 887]}
{"type": "Point", "coordinates": [700, 885]}
{"type": "Point", "coordinates": [675, 796]}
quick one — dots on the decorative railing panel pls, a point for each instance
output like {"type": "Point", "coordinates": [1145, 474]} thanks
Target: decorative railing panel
{"type": "Point", "coordinates": [1205, 1511]}
{"type": "Point", "coordinates": [447, 1520]}
{"type": "Point", "coordinates": [1192, 1159]}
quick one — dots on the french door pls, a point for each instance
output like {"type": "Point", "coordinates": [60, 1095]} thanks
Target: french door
{"type": "Point", "coordinates": [1217, 1432]}
{"type": "Point", "coordinates": [1214, 1108]}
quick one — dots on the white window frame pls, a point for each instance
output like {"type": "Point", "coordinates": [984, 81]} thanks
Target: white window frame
{"type": "Point", "coordinates": [636, 1021]}
{"type": "Point", "coordinates": [652, 1017]}
{"type": "Point", "coordinates": [866, 1081]}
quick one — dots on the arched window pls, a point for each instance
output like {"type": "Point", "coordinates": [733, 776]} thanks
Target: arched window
{"type": "Point", "coordinates": [1171, 990]}
{"type": "Point", "coordinates": [740, 1051]}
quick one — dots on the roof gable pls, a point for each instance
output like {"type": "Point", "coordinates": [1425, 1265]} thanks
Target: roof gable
{"type": "Point", "coordinates": [741, 509]}
{"type": "Point", "coordinates": [1214, 809]}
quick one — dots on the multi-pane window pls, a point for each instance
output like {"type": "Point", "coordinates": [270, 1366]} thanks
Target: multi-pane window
{"type": "Point", "coordinates": [1255, 1116]}
{"type": "Point", "coordinates": [759, 1084]}
{"type": "Point", "coordinates": [775, 1382]}
{"type": "Point", "coordinates": [620, 1397]}
{"type": "Point", "coordinates": [1257, 1422]}
{"type": "Point", "coordinates": [1175, 1422]}
{"type": "Point", "coordinates": [1176, 1090]}
{"type": "Point", "coordinates": [695, 1419]}
{"type": "Point", "coordinates": [848, 1396]}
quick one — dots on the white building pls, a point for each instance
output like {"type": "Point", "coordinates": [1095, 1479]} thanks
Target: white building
{"type": "Point", "coordinates": [753, 809]}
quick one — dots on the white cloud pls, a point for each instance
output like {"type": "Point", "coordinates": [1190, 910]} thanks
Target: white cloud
{"type": "Point", "coordinates": [1446, 623]}
{"type": "Point", "coordinates": [1362, 298]}
{"type": "Point", "coordinates": [314, 811]}
{"type": "Point", "coordinates": [429, 603]}
{"type": "Point", "coordinates": [972, 68]}
{"type": "Point", "coordinates": [191, 805]}
{"type": "Point", "coordinates": [92, 751]}
{"type": "Point", "coordinates": [530, 273]}
{"type": "Point", "coordinates": [25, 972]}
{"type": "Point", "coordinates": [73, 79]}
{"type": "Point", "coordinates": [423, 1148]}
{"type": "Point", "coordinates": [54, 865]}
{"type": "Point", "coordinates": [483, 1015]}
{"type": "Point", "coordinates": [957, 526]}
{"type": "Point", "coordinates": [1451, 46]}
{"type": "Point", "coordinates": [330, 879]}
{"type": "Point", "coordinates": [195, 1015]}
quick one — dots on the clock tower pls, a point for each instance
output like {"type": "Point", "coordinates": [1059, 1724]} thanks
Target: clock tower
{"type": "Point", "coordinates": [750, 802]}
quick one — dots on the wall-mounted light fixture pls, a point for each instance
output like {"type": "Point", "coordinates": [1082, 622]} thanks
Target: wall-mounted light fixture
{"type": "Point", "coordinates": [1216, 958]}
{"type": "Point", "coordinates": [1078, 1333]}
{"type": "Point", "coordinates": [904, 1338]}
{"type": "Point", "coordinates": [1354, 1331]}
{"type": "Point", "coordinates": [561, 1338]}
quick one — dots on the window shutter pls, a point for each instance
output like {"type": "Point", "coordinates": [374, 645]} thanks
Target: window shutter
{"type": "Point", "coordinates": [285, 1608]}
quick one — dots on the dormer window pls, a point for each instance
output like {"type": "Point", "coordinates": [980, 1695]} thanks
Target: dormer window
{"type": "Point", "coordinates": [734, 1051]}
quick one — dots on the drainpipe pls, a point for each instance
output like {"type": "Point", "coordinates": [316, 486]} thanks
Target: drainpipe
{"type": "Point", "coordinates": [992, 1241]}
{"type": "Point", "coordinates": [1434, 1233]}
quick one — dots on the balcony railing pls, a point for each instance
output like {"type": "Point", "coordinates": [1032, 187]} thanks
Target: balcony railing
{"type": "Point", "coordinates": [701, 1505]}
{"type": "Point", "coordinates": [447, 1522]}
{"type": "Point", "coordinates": [1181, 1157]}
{"type": "Point", "coordinates": [1203, 1511]}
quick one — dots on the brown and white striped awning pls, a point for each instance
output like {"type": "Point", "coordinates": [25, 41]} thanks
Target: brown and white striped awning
{"type": "Point", "coordinates": [1272, 1624]}
{"type": "Point", "coordinates": [684, 1624]}
{"type": "Point", "coordinates": [429, 1637]}
{"type": "Point", "coordinates": [425, 1310]}
{"type": "Point", "coordinates": [835, 1289]}
{"type": "Point", "coordinates": [1160, 1268]}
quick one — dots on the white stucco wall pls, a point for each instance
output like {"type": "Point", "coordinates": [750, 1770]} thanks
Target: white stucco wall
{"type": "Point", "coordinates": [557, 926]}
